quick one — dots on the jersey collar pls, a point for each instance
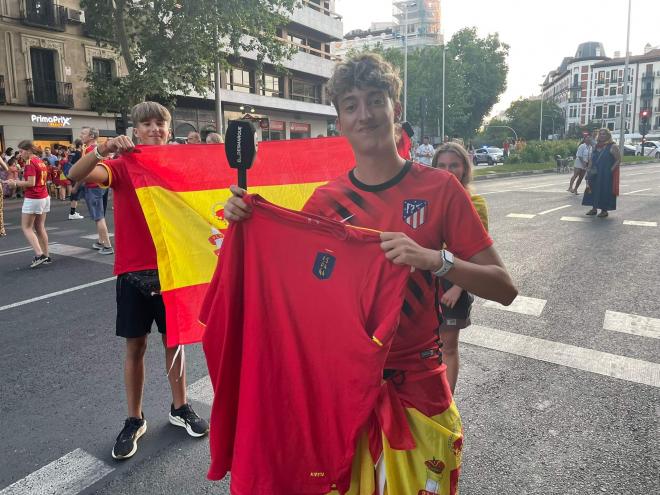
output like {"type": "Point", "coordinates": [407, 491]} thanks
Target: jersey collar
{"type": "Point", "coordinates": [385, 185]}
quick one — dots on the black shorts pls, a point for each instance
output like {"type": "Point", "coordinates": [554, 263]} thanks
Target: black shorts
{"type": "Point", "coordinates": [136, 311]}
{"type": "Point", "coordinates": [460, 311]}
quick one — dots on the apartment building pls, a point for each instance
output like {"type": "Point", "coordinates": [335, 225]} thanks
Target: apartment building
{"type": "Point", "coordinates": [283, 105]}
{"type": "Point", "coordinates": [420, 20]}
{"type": "Point", "coordinates": [45, 55]}
{"type": "Point", "coordinates": [590, 87]}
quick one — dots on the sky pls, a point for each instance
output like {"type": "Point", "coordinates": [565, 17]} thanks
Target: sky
{"type": "Point", "coordinates": [540, 33]}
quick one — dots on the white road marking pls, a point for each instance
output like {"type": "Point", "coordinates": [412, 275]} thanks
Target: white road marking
{"type": "Point", "coordinates": [632, 324]}
{"type": "Point", "coordinates": [21, 250]}
{"type": "Point", "coordinates": [602, 363]}
{"type": "Point", "coordinates": [520, 215]}
{"type": "Point", "coordinates": [201, 391]}
{"type": "Point", "coordinates": [637, 191]}
{"type": "Point", "coordinates": [68, 475]}
{"type": "Point", "coordinates": [575, 219]}
{"type": "Point", "coordinates": [521, 304]}
{"type": "Point", "coordinates": [55, 294]}
{"type": "Point", "coordinates": [48, 229]}
{"type": "Point", "coordinates": [640, 223]}
{"type": "Point", "coordinates": [94, 236]}
{"type": "Point", "coordinates": [555, 209]}
{"type": "Point", "coordinates": [82, 253]}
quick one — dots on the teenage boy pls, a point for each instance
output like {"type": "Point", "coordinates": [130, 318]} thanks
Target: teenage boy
{"type": "Point", "coordinates": [94, 195]}
{"type": "Point", "coordinates": [139, 303]}
{"type": "Point", "coordinates": [419, 211]}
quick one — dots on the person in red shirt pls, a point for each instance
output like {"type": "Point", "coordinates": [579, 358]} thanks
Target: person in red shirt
{"type": "Point", "coordinates": [139, 302]}
{"type": "Point", "coordinates": [419, 209]}
{"type": "Point", "coordinates": [36, 204]}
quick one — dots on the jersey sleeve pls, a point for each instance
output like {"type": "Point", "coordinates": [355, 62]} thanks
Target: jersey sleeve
{"type": "Point", "coordinates": [480, 205]}
{"type": "Point", "coordinates": [314, 204]}
{"type": "Point", "coordinates": [463, 232]}
{"type": "Point", "coordinates": [116, 172]}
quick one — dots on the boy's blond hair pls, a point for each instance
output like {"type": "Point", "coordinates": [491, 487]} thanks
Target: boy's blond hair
{"type": "Point", "coordinates": [367, 70]}
{"type": "Point", "coordinates": [147, 110]}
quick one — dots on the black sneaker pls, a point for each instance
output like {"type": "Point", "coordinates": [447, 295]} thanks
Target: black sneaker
{"type": "Point", "coordinates": [126, 444]}
{"type": "Point", "coordinates": [38, 260]}
{"type": "Point", "coordinates": [48, 261]}
{"type": "Point", "coordinates": [186, 418]}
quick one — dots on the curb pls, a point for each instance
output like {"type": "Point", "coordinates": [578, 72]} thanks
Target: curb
{"type": "Point", "coordinates": [504, 175]}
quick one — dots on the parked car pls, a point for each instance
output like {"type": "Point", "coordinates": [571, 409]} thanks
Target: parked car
{"type": "Point", "coordinates": [648, 148]}
{"type": "Point", "coordinates": [489, 155]}
{"type": "Point", "coordinates": [629, 150]}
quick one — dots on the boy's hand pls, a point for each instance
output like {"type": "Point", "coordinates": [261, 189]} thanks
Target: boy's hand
{"type": "Point", "coordinates": [450, 298]}
{"type": "Point", "coordinates": [119, 144]}
{"type": "Point", "coordinates": [237, 210]}
{"type": "Point", "coordinates": [402, 250]}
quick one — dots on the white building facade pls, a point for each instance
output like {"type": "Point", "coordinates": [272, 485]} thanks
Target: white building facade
{"type": "Point", "coordinates": [589, 88]}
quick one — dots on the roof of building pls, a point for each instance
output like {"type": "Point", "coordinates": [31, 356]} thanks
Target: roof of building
{"type": "Point", "coordinates": [651, 56]}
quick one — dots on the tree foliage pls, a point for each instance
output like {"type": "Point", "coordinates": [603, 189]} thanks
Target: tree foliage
{"type": "Point", "coordinates": [171, 46]}
{"type": "Point", "coordinates": [524, 116]}
{"type": "Point", "coordinates": [476, 73]}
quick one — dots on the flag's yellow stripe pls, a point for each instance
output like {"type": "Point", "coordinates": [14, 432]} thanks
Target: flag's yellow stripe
{"type": "Point", "coordinates": [186, 256]}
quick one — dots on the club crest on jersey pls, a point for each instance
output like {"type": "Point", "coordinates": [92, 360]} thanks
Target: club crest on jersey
{"type": "Point", "coordinates": [324, 265]}
{"type": "Point", "coordinates": [415, 211]}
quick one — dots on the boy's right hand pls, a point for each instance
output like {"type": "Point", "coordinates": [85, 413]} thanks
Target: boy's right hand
{"type": "Point", "coordinates": [119, 144]}
{"type": "Point", "coordinates": [237, 210]}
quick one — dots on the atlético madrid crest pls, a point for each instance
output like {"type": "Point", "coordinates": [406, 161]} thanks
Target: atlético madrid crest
{"type": "Point", "coordinates": [415, 212]}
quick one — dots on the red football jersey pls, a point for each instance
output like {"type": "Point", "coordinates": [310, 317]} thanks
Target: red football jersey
{"type": "Point", "coordinates": [300, 315]}
{"type": "Point", "coordinates": [432, 208]}
{"type": "Point", "coordinates": [37, 168]}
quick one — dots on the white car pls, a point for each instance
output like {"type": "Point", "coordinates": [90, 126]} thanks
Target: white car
{"type": "Point", "coordinates": [489, 155]}
{"type": "Point", "coordinates": [651, 148]}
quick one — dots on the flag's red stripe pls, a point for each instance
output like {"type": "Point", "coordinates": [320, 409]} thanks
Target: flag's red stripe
{"type": "Point", "coordinates": [299, 161]}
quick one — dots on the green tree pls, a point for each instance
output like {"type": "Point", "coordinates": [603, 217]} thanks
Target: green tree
{"type": "Point", "coordinates": [172, 46]}
{"type": "Point", "coordinates": [524, 116]}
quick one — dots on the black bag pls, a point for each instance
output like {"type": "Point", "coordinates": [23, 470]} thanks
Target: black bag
{"type": "Point", "coordinates": [146, 281]}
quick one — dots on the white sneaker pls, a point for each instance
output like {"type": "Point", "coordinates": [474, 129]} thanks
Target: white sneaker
{"type": "Point", "coordinates": [76, 216]}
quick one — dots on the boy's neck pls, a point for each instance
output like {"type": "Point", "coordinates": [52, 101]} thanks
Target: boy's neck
{"type": "Point", "coordinates": [378, 169]}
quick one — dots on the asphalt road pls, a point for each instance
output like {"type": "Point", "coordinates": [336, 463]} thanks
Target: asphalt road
{"type": "Point", "coordinates": [553, 402]}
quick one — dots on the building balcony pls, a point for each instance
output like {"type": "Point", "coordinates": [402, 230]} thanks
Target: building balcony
{"type": "Point", "coordinates": [44, 14]}
{"type": "Point", "coordinates": [646, 92]}
{"type": "Point", "coordinates": [3, 95]}
{"type": "Point", "coordinates": [648, 76]}
{"type": "Point", "coordinates": [54, 94]}
{"type": "Point", "coordinates": [316, 16]}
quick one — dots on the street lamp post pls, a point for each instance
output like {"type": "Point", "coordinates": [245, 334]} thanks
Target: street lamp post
{"type": "Point", "coordinates": [541, 119]}
{"type": "Point", "coordinates": [622, 133]}
{"type": "Point", "coordinates": [406, 6]}
{"type": "Point", "coordinates": [444, 54]}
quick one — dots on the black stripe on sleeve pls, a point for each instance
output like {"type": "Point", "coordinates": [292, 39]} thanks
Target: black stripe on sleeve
{"type": "Point", "coordinates": [407, 309]}
{"type": "Point", "coordinates": [416, 290]}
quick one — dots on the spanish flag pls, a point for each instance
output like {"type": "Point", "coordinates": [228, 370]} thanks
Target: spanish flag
{"type": "Point", "coordinates": [182, 191]}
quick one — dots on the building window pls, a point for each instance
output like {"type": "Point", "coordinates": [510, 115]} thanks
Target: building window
{"type": "Point", "coordinates": [599, 112]}
{"type": "Point", "coordinates": [613, 75]}
{"type": "Point", "coordinates": [601, 77]}
{"type": "Point", "coordinates": [305, 91]}
{"type": "Point", "coordinates": [600, 92]}
{"type": "Point", "coordinates": [612, 90]}
{"type": "Point", "coordinates": [610, 126]}
{"type": "Point", "coordinates": [271, 86]}
{"type": "Point", "coordinates": [102, 67]}
{"type": "Point", "coordinates": [240, 80]}
{"type": "Point", "coordinates": [611, 111]}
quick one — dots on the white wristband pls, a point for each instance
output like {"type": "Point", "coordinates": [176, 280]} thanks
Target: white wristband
{"type": "Point", "coordinates": [98, 155]}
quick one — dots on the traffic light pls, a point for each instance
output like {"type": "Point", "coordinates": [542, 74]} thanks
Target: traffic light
{"type": "Point", "coordinates": [644, 121]}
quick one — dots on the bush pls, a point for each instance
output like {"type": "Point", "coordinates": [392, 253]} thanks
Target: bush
{"type": "Point", "coordinates": [543, 151]}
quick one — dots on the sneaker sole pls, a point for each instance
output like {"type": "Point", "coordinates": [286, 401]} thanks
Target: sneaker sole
{"type": "Point", "coordinates": [141, 431]}
{"type": "Point", "coordinates": [179, 422]}
{"type": "Point", "coordinates": [37, 263]}
{"type": "Point", "coordinates": [106, 253]}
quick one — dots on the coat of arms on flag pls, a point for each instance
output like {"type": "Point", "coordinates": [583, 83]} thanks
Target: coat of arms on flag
{"type": "Point", "coordinates": [414, 212]}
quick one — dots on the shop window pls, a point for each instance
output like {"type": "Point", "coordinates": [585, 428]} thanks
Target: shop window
{"type": "Point", "coordinates": [300, 131]}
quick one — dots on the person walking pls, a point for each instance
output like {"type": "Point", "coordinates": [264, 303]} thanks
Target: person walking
{"type": "Point", "coordinates": [36, 204]}
{"type": "Point", "coordinates": [94, 196]}
{"type": "Point", "coordinates": [418, 210]}
{"type": "Point", "coordinates": [582, 157]}
{"type": "Point", "coordinates": [455, 302]}
{"type": "Point", "coordinates": [139, 302]}
{"type": "Point", "coordinates": [78, 188]}
{"type": "Point", "coordinates": [603, 176]}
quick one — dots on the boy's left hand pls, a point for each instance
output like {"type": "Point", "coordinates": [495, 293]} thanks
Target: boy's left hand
{"type": "Point", "coordinates": [402, 250]}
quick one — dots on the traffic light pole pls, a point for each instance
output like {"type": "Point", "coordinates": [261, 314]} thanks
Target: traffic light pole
{"type": "Point", "coordinates": [624, 113]}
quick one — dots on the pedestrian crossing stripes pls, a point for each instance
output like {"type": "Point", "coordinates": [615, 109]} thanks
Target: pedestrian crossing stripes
{"type": "Point", "coordinates": [602, 363]}
{"type": "Point", "coordinates": [520, 215]}
{"type": "Point", "coordinates": [81, 253]}
{"type": "Point", "coordinates": [94, 236]}
{"type": "Point", "coordinates": [521, 304]}
{"type": "Point", "coordinates": [640, 223]}
{"type": "Point", "coordinates": [575, 219]}
{"type": "Point", "coordinates": [554, 209]}
{"type": "Point", "coordinates": [632, 324]}
{"type": "Point", "coordinates": [68, 475]}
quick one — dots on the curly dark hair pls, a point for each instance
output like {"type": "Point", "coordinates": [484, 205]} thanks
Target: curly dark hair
{"type": "Point", "coordinates": [366, 70]}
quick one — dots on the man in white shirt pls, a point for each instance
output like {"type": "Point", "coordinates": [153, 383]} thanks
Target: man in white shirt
{"type": "Point", "coordinates": [424, 152]}
{"type": "Point", "coordinates": [582, 158]}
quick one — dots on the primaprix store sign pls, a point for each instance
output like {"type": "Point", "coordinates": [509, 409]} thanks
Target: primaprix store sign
{"type": "Point", "coordinates": [51, 120]}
